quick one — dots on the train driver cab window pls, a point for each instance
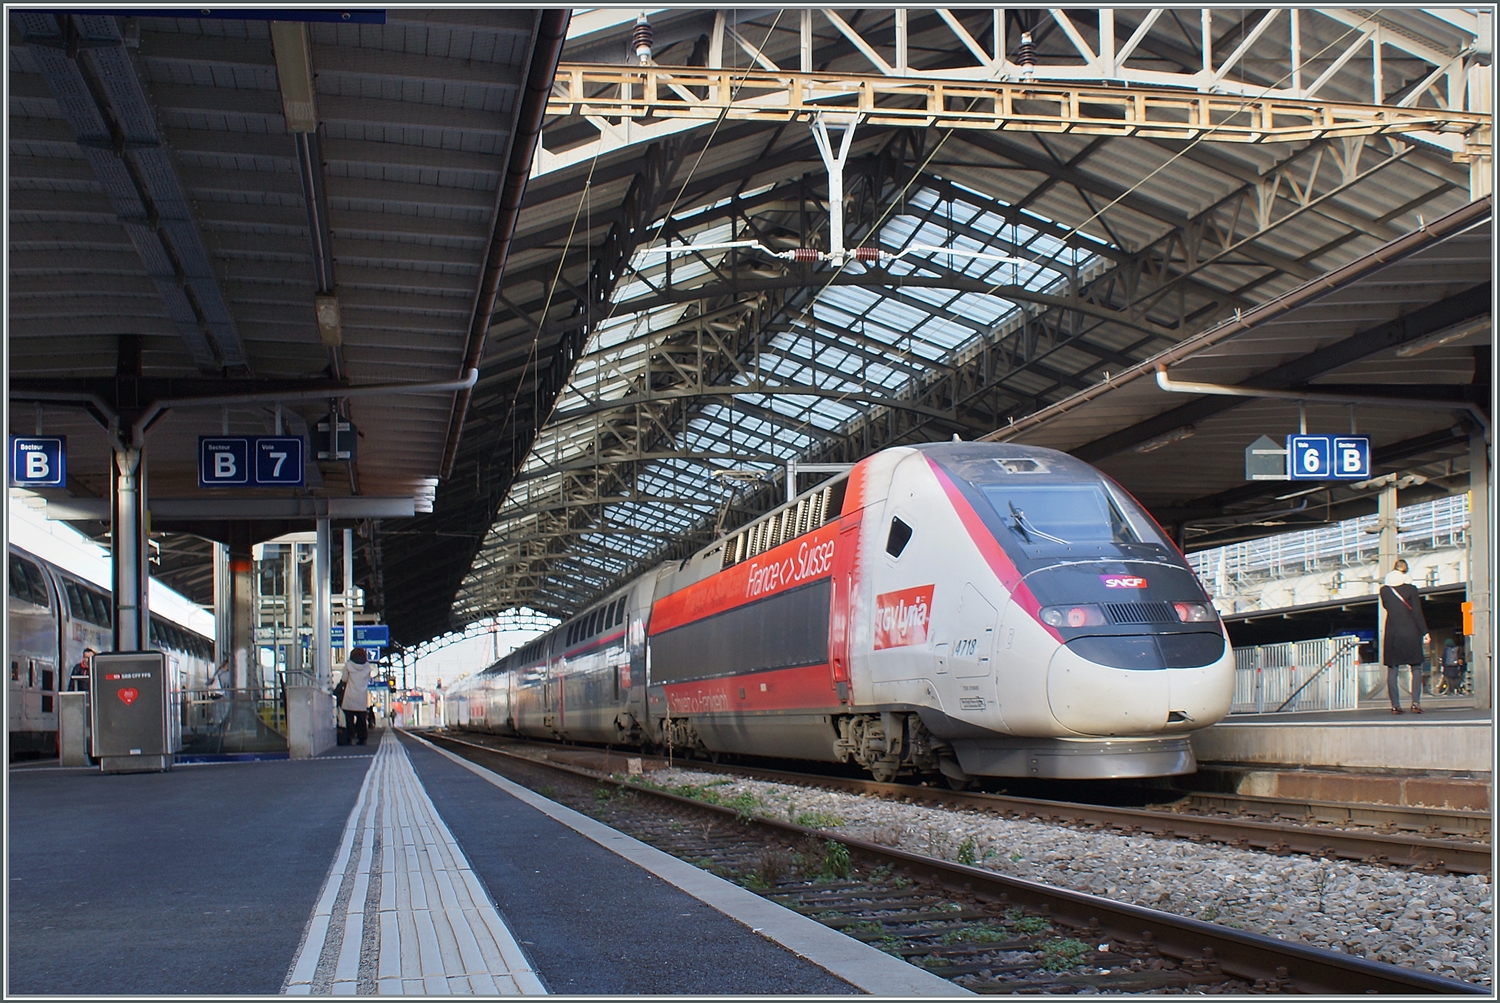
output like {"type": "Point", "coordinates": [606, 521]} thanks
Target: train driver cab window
{"type": "Point", "coordinates": [899, 537]}
{"type": "Point", "coordinates": [1062, 514]}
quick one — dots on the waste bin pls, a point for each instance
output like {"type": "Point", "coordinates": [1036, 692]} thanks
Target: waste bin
{"type": "Point", "coordinates": [130, 711]}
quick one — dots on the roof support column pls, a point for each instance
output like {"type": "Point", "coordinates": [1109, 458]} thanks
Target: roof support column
{"type": "Point", "coordinates": [1481, 571]}
{"type": "Point", "coordinates": [322, 605]}
{"type": "Point", "coordinates": [128, 549]}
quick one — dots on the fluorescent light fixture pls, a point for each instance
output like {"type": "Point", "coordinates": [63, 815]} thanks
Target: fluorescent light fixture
{"type": "Point", "coordinates": [1446, 336]}
{"type": "Point", "coordinates": [1176, 435]}
{"type": "Point", "coordinates": [295, 75]}
{"type": "Point", "coordinates": [330, 330]}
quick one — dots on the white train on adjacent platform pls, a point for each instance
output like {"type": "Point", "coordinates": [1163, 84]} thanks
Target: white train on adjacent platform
{"type": "Point", "coordinates": [54, 614]}
{"type": "Point", "coordinates": [970, 609]}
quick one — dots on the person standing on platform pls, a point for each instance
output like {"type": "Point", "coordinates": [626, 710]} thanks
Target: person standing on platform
{"type": "Point", "coordinates": [356, 699]}
{"type": "Point", "coordinates": [78, 679]}
{"type": "Point", "coordinates": [1405, 636]}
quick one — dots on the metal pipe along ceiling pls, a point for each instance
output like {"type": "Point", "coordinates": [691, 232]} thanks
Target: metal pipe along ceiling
{"type": "Point", "coordinates": [551, 33]}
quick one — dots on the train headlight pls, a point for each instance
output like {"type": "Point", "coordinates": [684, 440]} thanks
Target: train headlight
{"type": "Point", "coordinates": [1083, 615]}
{"type": "Point", "coordinates": [1195, 612]}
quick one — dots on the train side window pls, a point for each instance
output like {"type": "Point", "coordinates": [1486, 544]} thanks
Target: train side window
{"type": "Point", "coordinates": [37, 584]}
{"type": "Point", "coordinates": [899, 537]}
{"type": "Point", "coordinates": [20, 588]}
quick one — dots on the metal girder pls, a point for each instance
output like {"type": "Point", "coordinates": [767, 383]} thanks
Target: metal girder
{"type": "Point", "coordinates": [83, 59]}
{"type": "Point", "coordinates": [1126, 304]}
{"type": "Point", "coordinates": [756, 390]}
{"type": "Point", "coordinates": [627, 93]}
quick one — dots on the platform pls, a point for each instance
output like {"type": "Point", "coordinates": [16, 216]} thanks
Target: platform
{"type": "Point", "coordinates": [391, 869]}
{"type": "Point", "coordinates": [1443, 746]}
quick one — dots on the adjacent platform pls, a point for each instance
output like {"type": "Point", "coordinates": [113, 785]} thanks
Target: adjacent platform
{"type": "Point", "coordinates": [402, 870]}
{"type": "Point", "coordinates": [1444, 755]}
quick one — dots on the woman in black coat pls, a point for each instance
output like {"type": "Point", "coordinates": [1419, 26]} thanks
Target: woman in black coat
{"type": "Point", "coordinates": [1405, 636]}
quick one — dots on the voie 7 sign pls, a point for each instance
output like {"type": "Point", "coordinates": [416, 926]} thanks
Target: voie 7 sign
{"type": "Point", "coordinates": [240, 461]}
{"type": "Point", "coordinates": [278, 461]}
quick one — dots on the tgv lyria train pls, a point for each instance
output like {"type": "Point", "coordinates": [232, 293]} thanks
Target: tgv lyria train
{"type": "Point", "coordinates": [968, 609]}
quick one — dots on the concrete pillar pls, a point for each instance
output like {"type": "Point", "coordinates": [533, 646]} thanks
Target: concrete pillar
{"type": "Point", "coordinates": [296, 665]}
{"type": "Point", "coordinates": [129, 551]}
{"type": "Point", "coordinates": [1481, 571]}
{"type": "Point", "coordinates": [223, 604]}
{"type": "Point", "coordinates": [1385, 556]}
{"type": "Point", "coordinates": [245, 666]}
{"type": "Point", "coordinates": [348, 592]}
{"type": "Point", "coordinates": [322, 619]}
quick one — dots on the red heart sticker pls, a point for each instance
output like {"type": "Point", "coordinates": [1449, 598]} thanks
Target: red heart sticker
{"type": "Point", "coordinates": [128, 694]}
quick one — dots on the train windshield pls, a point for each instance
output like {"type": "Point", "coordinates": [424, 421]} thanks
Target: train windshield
{"type": "Point", "coordinates": [1049, 516]}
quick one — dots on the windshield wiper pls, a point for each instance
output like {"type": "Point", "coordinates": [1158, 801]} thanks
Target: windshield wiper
{"type": "Point", "coordinates": [1018, 521]}
{"type": "Point", "coordinates": [1026, 528]}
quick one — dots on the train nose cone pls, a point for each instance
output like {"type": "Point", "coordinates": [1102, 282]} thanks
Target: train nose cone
{"type": "Point", "coordinates": [1093, 699]}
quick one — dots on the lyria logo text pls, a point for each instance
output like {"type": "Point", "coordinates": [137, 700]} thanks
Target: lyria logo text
{"type": "Point", "coordinates": [1123, 581]}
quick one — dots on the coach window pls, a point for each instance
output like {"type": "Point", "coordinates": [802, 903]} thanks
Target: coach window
{"type": "Point", "coordinates": [37, 584]}
{"type": "Point", "coordinates": [898, 538]}
{"type": "Point", "coordinates": [20, 587]}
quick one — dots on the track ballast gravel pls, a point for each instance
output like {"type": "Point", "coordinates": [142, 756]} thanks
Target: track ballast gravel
{"type": "Point", "coordinates": [1435, 922]}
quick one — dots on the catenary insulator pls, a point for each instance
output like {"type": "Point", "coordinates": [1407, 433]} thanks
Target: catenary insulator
{"type": "Point", "coordinates": [805, 254]}
{"type": "Point", "coordinates": [641, 38]}
{"type": "Point", "coordinates": [1026, 54]}
{"type": "Point", "coordinates": [867, 254]}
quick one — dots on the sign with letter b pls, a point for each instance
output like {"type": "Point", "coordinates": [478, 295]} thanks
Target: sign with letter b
{"type": "Point", "coordinates": [223, 461]}
{"type": "Point", "coordinates": [1351, 457]}
{"type": "Point", "coordinates": [38, 461]}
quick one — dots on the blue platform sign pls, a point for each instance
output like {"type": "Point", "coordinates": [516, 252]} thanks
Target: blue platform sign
{"type": "Point", "coordinates": [278, 461]}
{"type": "Point", "coordinates": [1351, 457]}
{"type": "Point", "coordinates": [241, 461]}
{"type": "Point", "coordinates": [38, 461]}
{"type": "Point", "coordinates": [366, 635]}
{"type": "Point", "coordinates": [1310, 457]}
{"type": "Point", "coordinates": [223, 461]}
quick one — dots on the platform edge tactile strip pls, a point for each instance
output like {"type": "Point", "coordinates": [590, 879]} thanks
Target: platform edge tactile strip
{"type": "Point", "coordinates": [438, 932]}
{"type": "Point", "coordinates": [857, 963]}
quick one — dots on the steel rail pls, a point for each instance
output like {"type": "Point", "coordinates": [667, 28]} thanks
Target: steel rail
{"type": "Point", "coordinates": [1249, 956]}
{"type": "Point", "coordinates": [1454, 855]}
{"type": "Point", "coordinates": [1450, 820]}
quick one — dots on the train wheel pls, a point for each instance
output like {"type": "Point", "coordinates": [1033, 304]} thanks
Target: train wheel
{"type": "Point", "coordinates": [955, 784]}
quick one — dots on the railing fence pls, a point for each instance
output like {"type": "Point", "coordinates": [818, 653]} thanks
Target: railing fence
{"type": "Point", "coordinates": [1321, 674]}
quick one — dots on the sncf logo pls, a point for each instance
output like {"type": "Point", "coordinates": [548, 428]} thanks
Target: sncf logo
{"type": "Point", "coordinates": [1123, 581]}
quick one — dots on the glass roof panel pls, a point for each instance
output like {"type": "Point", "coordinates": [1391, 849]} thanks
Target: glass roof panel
{"type": "Point", "coordinates": [841, 339]}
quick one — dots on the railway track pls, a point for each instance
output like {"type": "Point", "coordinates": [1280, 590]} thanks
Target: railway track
{"type": "Point", "coordinates": [985, 931]}
{"type": "Point", "coordinates": [1401, 849]}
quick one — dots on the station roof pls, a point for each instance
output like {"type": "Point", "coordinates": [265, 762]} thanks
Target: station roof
{"type": "Point", "coordinates": [186, 192]}
{"type": "Point", "coordinates": [631, 404]}
{"type": "Point", "coordinates": [1410, 322]}
{"type": "Point", "coordinates": [657, 438]}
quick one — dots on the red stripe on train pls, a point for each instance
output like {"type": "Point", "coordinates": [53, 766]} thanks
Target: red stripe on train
{"type": "Point", "coordinates": [805, 688]}
{"type": "Point", "coordinates": [797, 562]}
